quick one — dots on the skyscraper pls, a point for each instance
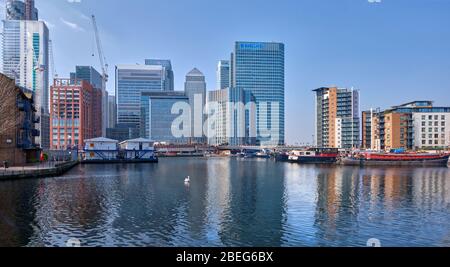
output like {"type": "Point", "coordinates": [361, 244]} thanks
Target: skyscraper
{"type": "Point", "coordinates": [259, 68]}
{"type": "Point", "coordinates": [112, 110]}
{"type": "Point", "coordinates": [223, 74]}
{"type": "Point", "coordinates": [25, 59]}
{"type": "Point", "coordinates": [337, 117]}
{"type": "Point", "coordinates": [20, 10]}
{"type": "Point", "coordinates": [131, 82]}
{"type": "Point", "coordinates": [90, 74]}
{"type": "Point", "coordinates": [195, 89]}
{"type": "Point", "coordinates": [169, 79]}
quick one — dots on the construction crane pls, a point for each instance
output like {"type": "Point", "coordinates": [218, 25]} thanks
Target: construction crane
{"type": "Point", "coordinates": [103, 63]}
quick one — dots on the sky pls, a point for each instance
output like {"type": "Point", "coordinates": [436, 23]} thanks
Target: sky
{"type": "Point", "coordinates": [393, 51]}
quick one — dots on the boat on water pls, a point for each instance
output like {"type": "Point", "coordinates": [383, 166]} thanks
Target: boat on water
{"type": "Point", "coordinates": [314, 156]}
{"type": "Point", "coordinates": [396, 159]}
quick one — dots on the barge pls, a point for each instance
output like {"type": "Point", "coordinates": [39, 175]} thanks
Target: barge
{"type": "Point", "coordinates": [392, 159]}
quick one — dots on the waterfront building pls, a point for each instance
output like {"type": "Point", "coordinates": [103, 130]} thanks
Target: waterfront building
{"type": "Point", "coordinates": [195, 90]}
{"type": "Point", "coordinates": [75, 105]}
{"type": "Point", "coordinates": [259, 68]}
{"type": "Point", "coordinates": [90, 74]}
{"type": "Point", "coordinates": [157, 117]}
{"type": "Point", "coordinates": [101, 148]}
{"type": "Point", "coordinates": [370, 124]}
{"type": "Point", "coordinates": [411, 126]}
{"type": "Point", "coordinates": [169, 79]}
{"type": "Point", "coordinates": [21, 10]}
{"type": "Point", "coordinates": [18, 118]}
{"type": "Point", "coordinates": [131, 82]}
{"type": "Point", "coordinates": [25, 59]}
{"type": "Point", "coordinates": [234, 120]}
{"type": "Point", "coordinates": [139, 148]}
{"type": "Point", "coordinates": [223, 74]}
{"type": "Point", "coordinates": [337, 117]}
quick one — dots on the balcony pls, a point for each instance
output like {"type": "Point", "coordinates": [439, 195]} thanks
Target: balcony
{"type": "Point", "coordinates": [35, 133]}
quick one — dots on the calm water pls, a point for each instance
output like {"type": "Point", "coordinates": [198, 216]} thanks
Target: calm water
{"type": "Point", "coordinates": [230, 202]}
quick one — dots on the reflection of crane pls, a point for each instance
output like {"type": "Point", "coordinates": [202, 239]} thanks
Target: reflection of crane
{"type": "Point", "coordinates": [102, 58]}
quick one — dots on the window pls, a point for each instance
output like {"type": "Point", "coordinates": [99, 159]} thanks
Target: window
{"type": "Point", "coordinates": [436, 130]}
{"type": "Point", "coordinates": [436, 117]}
{"type": "Point", "coordinates": [424, 136]}
{"type": "Point", "coordinates": [423, 123]}
{"type": "Point", "coordinates": [430, 130]}
{"type": "Point", "coordinates": [423, 130]}
{"type": "Point", "coordinates": [443, 117]}
{"type": "Point", "coordinates": [423, 117]}
{"type": "Point", "coordinates": [430, 123]}
{"type": "Point", "coordinates": [430, 117]}
{"type": "Point", "coordinates": [430, 136]}
{"type": "Point", "coordinates": [443, 123]}
{"type": "Point", "coordinates": [424, 142]}
{"type": "Point", "coordinates": [436, 123]}
{"type": "Point", "coordinates": [442, 129]}
{"type": "Point", "coordinates": [430, 142]}
{"type": "Point", "coordinates": [436, 136]}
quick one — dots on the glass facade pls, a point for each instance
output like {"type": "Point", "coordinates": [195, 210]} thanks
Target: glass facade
{"type": "Point", "coordinates": [20, 10]}
{"type": "Point", "coordinates": [223, 74]}
{"type": "Point", "coordinates": [11, 48]}
{"type": "Point", "coordinates": [157, 117]}
{"type": "Point", "coordinates": [131, 82]}
{"type": "Point", "coordinates": [259, 68]}
{"type": "Point", "coordinates": [169, 79]}
{"type": "Point", "coordinates": [195, 90]}
{"type": "Point", "coordinates": [88, 73]}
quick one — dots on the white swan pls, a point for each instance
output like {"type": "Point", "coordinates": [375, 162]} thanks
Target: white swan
{"type": "Point", "coordinates": [187, 180]}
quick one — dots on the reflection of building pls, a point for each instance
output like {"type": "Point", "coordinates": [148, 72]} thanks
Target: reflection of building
{"type": "Point", "coordinates": [235, 117]}
{"type": "Point", "coordinates": [17, 123]}
{"type": "Point", "coordinates": [25, 59]}
{"type": "Point", "coordinates": [21, 10]}
{"type": "Point", "coordinates": [414, 125]}
{"type": "Point", "coordinates": [337, 117]}
{"type": "Point", "coordinates": [74, 113]}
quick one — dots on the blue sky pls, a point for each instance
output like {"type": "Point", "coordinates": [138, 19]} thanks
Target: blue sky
{"type": "Point", "coordinates": [394, 51]}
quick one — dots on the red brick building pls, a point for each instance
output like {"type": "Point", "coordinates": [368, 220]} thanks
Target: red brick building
{"type": "Point", "coordinates": [75, 113]}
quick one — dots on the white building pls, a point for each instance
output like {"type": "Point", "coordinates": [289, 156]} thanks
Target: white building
{"type": "Point", "coordinates": [26, 59]}
{"type": "Point", "coordinates": [431, 130]}
{"type": "Point", "coordinates": [140, 148]}
{"type": "Point", "coordinates": [101, 149]}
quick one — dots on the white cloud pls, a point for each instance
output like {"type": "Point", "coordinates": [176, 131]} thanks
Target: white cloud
{"type": "Point", "coordinates": [74, 1]}
{"type": "Point", "coordinates": [72, 25]}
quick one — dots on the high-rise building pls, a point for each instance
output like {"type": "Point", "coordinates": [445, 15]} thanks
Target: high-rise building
{"type": "Point", "coordinates": [157, 117]}
{"type": "Point", "coordinates": [20, 10]}
{"type": "Point", "coordinates": [337, 117]}
{"type": "Point", "coordinates": [223, 74]}
{"type": "Point", "coordinates": [90, 74]}
{"type": "Point", "coordinates": [195, 90]}
{"type": "Point", "coordinates": [234, 119]}
{"type": "Point", "coordinates": [259, 68]}
{"type": "Point", "coordinates": [75, 105]}
{"type": "Point", "coordinates": [414, 125]}
{"type": "Point", "coordinates": [131, 82]}
{"type": "Point", "coordinates": [112, 110]}
{"type": "Point", "coordinates": [26, 59]}
{"type": "Point", "coordinates": [169, 80]}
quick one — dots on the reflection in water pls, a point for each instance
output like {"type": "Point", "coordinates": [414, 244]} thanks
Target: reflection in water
{"type": "Point", "coordinates": [229, 202]}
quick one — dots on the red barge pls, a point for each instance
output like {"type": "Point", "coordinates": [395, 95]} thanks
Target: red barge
{"type": "Point", "coordinates": [392, 159]}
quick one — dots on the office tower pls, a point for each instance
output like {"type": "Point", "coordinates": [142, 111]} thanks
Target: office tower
{"type": "Point", "coordinates": [112, 110]}
{"type": "Point", "coordinates": [223, 74]}
{"type": "Point", "coordinates": [234, 119]}
{"type": "Point", "coordinates": [337, 117]}
{"type": "Point", "coordinates": [259, 68]}
{"type": "Point", "coordinates": [131, 82]}
{"type": "Point", "coordinates": [157, 118]}
{"type": "Point", "coordinates": [20, 10]}
{"type": "Point", "coordinates": [169, 79]}
{"type": "Point", "coordinates": [414, 125]}
{"type": "Point", "coordinates": [195, 90]}
{"type": "Point", "coordinates": [75, 105]}
{"type": "Point", "coordinates": [90, 74]}
{"type": "Point", "coordinates": [25, 59]}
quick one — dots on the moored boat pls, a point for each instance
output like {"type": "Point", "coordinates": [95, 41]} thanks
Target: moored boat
{"type": "Point", "coordinates": [394, 159]}
{"type": "Point", "coordinates": [315, 156]}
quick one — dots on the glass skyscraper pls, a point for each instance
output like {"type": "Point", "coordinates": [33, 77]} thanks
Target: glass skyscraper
{"type": "Point", "coordinates": [20, 10]}
{"type": "Point", "coordinates": [195, 90]}
{"type": "Point", "coordinates": [169, 79]}
{"type": "Point", "coordinates": [131, 82]}
{"type": "Point", "coordinates": [223, 74]}
{"type": "Point", "coordinates": [259, 68]}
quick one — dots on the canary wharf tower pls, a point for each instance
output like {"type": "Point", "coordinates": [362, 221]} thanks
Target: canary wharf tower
{"type": "Point", "coordinates": [258, 67]}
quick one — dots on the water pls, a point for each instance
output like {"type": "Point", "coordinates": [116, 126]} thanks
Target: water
{"type": "Point", "coordinates": [229, 202]}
